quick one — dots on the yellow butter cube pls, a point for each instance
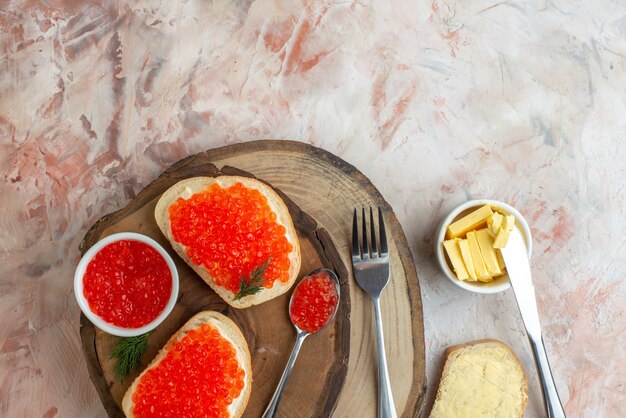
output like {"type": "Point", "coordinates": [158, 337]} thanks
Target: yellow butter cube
{"type": "Point", "coordinates": [500, 259]}
{"type": "Point", "coordinates": [494, 223]}
{"type": "Point", "coordinates": [467, 259]}
{"type": "Point", "coordinates": [485, 242]}
{"type": "Point", "coordinates": [469, 222]}
{"type": "Point", "coordinates": [454, 254]}
{"type": "Point", "coordinates": [479, 264]}
{"type": "Point", "coordinates": [505, 231]}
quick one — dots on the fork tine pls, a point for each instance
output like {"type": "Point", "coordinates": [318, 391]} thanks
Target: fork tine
{"type": "Point", "coordinates": [373, 233]}
{"type": "Point", "coordinates": [383, 234]}
{"type": "Point", "coordinates": [356, 250]}
{"type": "Point", "coordinates": [366, 250]}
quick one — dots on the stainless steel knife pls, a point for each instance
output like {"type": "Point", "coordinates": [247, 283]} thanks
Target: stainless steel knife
{"type": "Point", "coordinates": [518, 267]}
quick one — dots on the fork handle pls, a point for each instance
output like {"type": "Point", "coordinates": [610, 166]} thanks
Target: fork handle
{"type": "Point", "coordinates": [386, 407]}
{"type": "Point", "coordinates": [551, 400]}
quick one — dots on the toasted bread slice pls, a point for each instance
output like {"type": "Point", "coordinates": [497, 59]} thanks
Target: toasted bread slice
{"type": "Point", "coordinates": [481, 379]}
{"type": "Point", "coordinates": [228, 330]}
{"type": "Point", "coordinates": [189, 187]}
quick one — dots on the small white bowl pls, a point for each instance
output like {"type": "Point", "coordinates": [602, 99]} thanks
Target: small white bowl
{"type": "Point", "coordinates": [500, 283]}
{"type": "Point", "coordinates": [98, 321]}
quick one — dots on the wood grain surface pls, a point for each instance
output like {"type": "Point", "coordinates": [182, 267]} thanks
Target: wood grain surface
{"type": "Point", "coordinates": [335, 373]}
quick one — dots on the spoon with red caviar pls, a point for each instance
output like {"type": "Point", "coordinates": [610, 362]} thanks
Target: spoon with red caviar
{"type": "Point", "coordinates": [312, 306]}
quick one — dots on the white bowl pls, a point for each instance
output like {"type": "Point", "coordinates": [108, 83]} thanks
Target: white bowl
{"type": "Point", "coordinates": [500, 283]}
{"type": "Point", "coordinates": [98, 321]}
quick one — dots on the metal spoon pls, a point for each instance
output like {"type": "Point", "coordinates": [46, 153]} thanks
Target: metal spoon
{"type": "Point", "coordinates": [270, 412]}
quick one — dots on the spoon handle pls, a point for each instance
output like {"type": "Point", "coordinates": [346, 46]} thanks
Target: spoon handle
{"type": "Point", "coordinates": [270, 411]}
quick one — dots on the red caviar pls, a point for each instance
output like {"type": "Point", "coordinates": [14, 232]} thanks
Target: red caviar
{"type": "Point", "coordinates": [199, 376]}
{"type": "Point", "coordinates": [127, 283]}
{"type": "Point", "coordinates": [231, 231]}
{"type": "Point", "coordinates": [313, 302]}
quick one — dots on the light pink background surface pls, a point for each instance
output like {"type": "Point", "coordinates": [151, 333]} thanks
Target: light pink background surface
{"type": "Point", "coordinates": [435, 102]}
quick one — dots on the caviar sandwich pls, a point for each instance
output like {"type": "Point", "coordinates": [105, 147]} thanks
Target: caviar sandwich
{"type": "Point", "coordinates": [236, 233]}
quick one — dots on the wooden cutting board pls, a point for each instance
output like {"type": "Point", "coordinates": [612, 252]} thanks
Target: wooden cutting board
{"type": "Point", "coordinates": [335, 373]}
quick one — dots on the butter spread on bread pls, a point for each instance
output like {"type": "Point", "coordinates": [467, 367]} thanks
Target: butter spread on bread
{"type": "Point", "coordinates": [481, 379]}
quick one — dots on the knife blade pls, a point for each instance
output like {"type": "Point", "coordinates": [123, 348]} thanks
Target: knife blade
{"type": "Point", "coordinates": [518, 267]}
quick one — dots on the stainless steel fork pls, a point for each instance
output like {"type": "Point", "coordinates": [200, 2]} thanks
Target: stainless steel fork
{"type": "Point", "coordinates": [370, 264]}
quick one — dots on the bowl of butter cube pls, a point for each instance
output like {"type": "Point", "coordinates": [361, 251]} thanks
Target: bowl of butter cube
{"type": "Point", "coordinates": [469, 240]}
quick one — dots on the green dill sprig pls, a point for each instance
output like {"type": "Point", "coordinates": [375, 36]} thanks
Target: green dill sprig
{"type": "Point", "coordinates": [254, 284]}
{"type": "Point", "coordinates": [127, 352]}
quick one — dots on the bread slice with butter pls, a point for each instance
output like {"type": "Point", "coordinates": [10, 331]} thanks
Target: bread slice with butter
{"type": "Point", "coordinates": [481, 379]}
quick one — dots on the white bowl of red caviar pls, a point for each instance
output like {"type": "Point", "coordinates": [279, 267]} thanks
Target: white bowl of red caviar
{"type": "Point", "coordinates": [126, 284]}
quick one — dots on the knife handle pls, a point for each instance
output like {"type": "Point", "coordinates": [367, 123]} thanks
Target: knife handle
{"type": "Point", "coordinates": [551, 400]}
